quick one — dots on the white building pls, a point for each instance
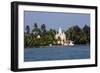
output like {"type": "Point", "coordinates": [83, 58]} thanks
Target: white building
{"type": "Point", "coordinates": [61, 37]}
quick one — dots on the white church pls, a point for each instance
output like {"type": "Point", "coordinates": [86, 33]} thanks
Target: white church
{"type": "Point", "coordinates": [61, 38]}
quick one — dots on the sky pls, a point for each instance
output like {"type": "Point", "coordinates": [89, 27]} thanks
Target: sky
{"type": "Point", "coordinates": [55, 20]}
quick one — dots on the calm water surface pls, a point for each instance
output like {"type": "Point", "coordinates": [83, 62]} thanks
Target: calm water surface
{"type": "Point", "coordinates": [57, 53]}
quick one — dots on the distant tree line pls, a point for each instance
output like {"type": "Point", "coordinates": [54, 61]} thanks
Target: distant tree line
{"type": "Point", "coordinates": [78, 35]}
{"type": "Point", "coordinates": [40, 36]}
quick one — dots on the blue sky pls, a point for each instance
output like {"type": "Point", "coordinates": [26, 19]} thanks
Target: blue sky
{"type": "Point", "coordinates": [55, 20]}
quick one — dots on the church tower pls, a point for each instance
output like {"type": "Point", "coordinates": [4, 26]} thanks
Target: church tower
{"type": "Point", "coordinates": [61, 37]}
{"type": "Point", "coordinates": [60, 31]}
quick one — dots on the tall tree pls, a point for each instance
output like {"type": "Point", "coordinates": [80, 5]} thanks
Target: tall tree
{"type": "Point", "coordinates": [86, 30]}
{"type": "Point", "coordinates": [35, 25]}
{"type": "Point", "coordinates": [73, 32]}
{"type": "Point", "coordinates": [27, 28]}
{"type": "Point", "coordinates": [36, 31]}
{"type": "Point", "coordinates": [43, 28]}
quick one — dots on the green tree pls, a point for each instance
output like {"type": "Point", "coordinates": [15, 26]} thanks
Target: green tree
{"type": "Point", "coordinates": [51, 34]}
{"type": "Point", "coordinates": [86, 30]}
{"type": "Point", "coordinates": [36, 31]}
{"type": "Point", "coordinates": [43, 29]}
{"type": "Point", "coordinates": [35, 25]}
{"type": "Point", "coordinates": [73, 33]}
{"type": "Point", "coordinates": [78, 35]}
{"type": "Point", "coordinates": [27, 28]}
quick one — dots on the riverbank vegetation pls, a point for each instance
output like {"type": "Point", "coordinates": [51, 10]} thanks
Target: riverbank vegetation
{"type": "Point", "coordinates": [41, 36]}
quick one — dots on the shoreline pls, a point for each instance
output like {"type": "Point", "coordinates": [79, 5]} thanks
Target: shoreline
{"type": "Point", "coordinates": [56, 46]}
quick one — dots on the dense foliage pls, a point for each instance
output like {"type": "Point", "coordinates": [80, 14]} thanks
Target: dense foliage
{"type": "Point", "coordinates": [43, 37]}
{"type": "Point", "coordinates": [78, 35]}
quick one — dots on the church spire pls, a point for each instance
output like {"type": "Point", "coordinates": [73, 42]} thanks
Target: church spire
{"type": "Point", "coordinates": [60, 31]}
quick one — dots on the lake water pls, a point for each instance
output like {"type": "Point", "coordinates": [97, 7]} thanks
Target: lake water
{"type": "Point", "coordinates": [57, 53]}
